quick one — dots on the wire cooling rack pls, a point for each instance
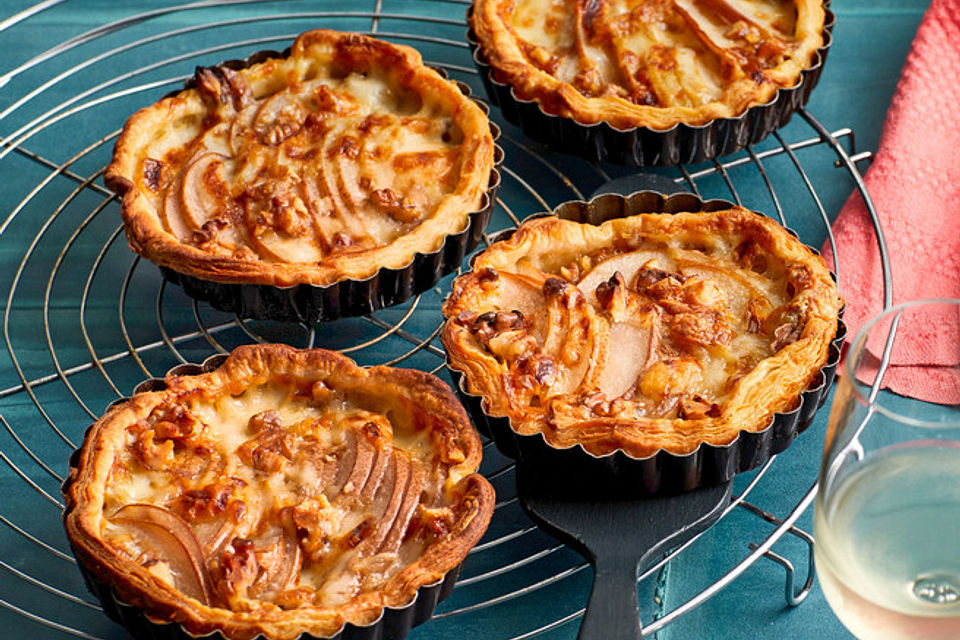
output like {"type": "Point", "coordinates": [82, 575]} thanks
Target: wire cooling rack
{"type": "Point", "coordinates": [84, 320]}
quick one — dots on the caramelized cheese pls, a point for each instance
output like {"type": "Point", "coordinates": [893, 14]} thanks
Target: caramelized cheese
{"type": "Point", "coordinates": [648, 62]}
{"type": "Point", "coordinates": [672, 324]}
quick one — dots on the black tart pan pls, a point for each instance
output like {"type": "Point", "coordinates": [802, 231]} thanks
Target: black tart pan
{"type": "Point", "coordinates": [643, 146]}
{"type": "Point", "coordinates": [394, 623]}
{"type": "Point", "coordinates": [663, 472]}
{"type": "Point", "coordinates": [309, 304]}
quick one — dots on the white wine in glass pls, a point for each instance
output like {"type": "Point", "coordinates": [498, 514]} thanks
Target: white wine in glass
{"type": "Point", "coordinates": [887, 518]}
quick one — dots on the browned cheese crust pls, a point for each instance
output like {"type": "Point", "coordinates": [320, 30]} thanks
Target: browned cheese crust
{"type": "Point", "coordinates": [286, 492]}
{"type": "Point", "coordinates": [648, 63]}
{"type": "Point", "coordinates": [657, 331]}
{"type": "Point", "coordinates": [345, 157]}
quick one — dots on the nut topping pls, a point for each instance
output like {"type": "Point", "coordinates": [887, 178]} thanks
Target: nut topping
{"type": "Point", "coordinates": [554, 287]}
{"type": "Point", "coordinates": [492, 323]}
{"type": "Point", "coordinates": [395, 206]}
{"type": "Point", "coordinates": [784, 335]}
{"type": "Point", "coordinates": [648, 277]}
{"type": "Point", "coordinates": [222, 85]}
{"type": "Point", "coordinates": [152, 171]}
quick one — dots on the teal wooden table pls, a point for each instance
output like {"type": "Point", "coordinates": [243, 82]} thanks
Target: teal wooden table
{"type": "Point", "coordinates": [84, 321]}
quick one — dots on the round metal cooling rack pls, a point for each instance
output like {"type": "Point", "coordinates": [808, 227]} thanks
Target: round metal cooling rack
{"type": "Point", "coordinates": [84, 320]}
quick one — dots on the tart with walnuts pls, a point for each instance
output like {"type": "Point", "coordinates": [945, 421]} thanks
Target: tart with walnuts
{"type": "Point", "coordinates": [644, 334]}
{"type": "Point", "coordinates": [648, 63]}
{"type": "Point", "coordinates": [345, 157]}
{"type": "Point", "coordinates": [285, 492]}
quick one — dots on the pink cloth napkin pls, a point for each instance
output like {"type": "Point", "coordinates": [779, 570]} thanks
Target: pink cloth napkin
{"type": "Point", "coordinates": [915, 184]}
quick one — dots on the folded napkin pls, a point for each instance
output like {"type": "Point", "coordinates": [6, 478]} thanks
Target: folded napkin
{"type": "Point", "coordinates": [914, 182]}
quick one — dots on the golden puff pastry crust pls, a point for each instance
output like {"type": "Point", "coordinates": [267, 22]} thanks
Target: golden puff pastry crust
{"type": "Point", "coordinates": [285, 492]}
{"type": "Point", "coordinates": [344, 157]}
{"type": "Point", "coordinates": [648, 63]}
{"type": "Point", "coordinates": [645, 333]}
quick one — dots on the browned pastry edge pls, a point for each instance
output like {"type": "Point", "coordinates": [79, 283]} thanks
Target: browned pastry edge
{"type": "Point", "coordinates": [556, 97]}
{"type": "Point", "coordinates": [473, 497]}
{"type": "Point", "coordinates": [773, 386]}
{"type": "Point", "coordinates": [148, 238]}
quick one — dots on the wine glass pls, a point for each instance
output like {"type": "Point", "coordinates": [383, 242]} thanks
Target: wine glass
{"type": "Point", "coordinates": [887, 516]}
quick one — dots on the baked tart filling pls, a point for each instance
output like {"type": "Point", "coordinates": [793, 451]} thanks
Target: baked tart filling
{"type": "Point", "coordinates": [655, 331]}
{"type": "Point", "coordinates": [285, 492]}
{"type": "Point", "coordinates": [648, 63]}
{"type": "Point", "coordinates": [344, 157]}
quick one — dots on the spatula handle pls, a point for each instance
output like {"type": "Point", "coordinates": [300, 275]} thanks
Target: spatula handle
{"type": "Point", "coordinates": [613, 612]}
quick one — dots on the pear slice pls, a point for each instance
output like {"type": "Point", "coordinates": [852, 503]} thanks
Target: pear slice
{"type": "Point", "coordinates": [411, 498]}
{"type": "Point", "coordinates": [320, 207]}
{"type": "Point", "coordinates": [584, 370]}
{"type": "Point", "coordinates": [279, 559]}
{"type": "Point", "coordinates": [279, 117]}
{"type": "Point", "coordinates": [275, 247]}
{"type": "Point", "coordinates": [390, 499]}
{"type": "Point", "coordinates": [173, 212]}
{"type": "Point", "coordinates": [393, 481]}
{"type": "Point", "coordinates": [627, 357]}
{"type": "Point", "coordinates": [565, 332]}
{"type": "Point", "coordinates": [348, 181]}
{"type": "Point", "coordinates": [584, 374]}
{"type": "Point", "coordinates": [170, 537]}
{"type": "Point", "coordinates": [345, 463]}
{"type": "Point", "coordinates": [240, 128]}
{"type": "Point", "coordinates": [283, 248]}
{"type": "Point", "coordinates": [203, 189]}
{"type": "Point", "coordinates": [524, 294]}
{"type": "Point", "coordinates": [362, 465]}
{"type": "Point", "coordinates": [213, 534]}
{"type": "Point", "coordinates": [408, 169]}
{"type": "Point", "coordinates": [329, 183]}
{"type": "Point", "coordinates": [712, 32]}
{"type": "Point", "coordinates": [376, 474]}
{"type": "Point", "coordinates": [355, 193]}
{"type": "Point", "coordinates": [628, 264]}
{"type": "Point", "coordinates": [738, 286]}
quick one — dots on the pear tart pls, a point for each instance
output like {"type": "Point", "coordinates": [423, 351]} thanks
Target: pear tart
{"type": "Point", "coordinates": [286, 492]}
{"type": "Point", "coordinates": [345, 157]}
{"type": "Point", "coordinates": [649, 333]}
{"type": "Point", "coordinates": [652, 64]}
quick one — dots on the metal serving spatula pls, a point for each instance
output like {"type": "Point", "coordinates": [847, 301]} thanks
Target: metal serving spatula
{"type": "Point", "coordinates": [619, 534]}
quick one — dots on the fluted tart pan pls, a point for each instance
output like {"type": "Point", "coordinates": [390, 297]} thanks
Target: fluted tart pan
{"type": "Point", "coordinates": [332, 179]}
{"type": "Point", "coordinates": [556, 432]}
{"type": "Point", "coordinates": [299, 500]}
{"type": "Point", "coordinates": [600, 141]}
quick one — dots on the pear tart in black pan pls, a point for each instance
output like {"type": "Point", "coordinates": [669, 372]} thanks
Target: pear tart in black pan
{"type": "Point", "coordinates": [649, 82]}
{"type": "Point", "coordinates": [281, 494]}
{"type": "Point", "coordinates": [661, 340]}
{"type": "Point", "coordinates": [331, 180]}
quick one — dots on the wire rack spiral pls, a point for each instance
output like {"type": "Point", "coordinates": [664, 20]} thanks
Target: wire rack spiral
{"type": "Point", "coordinates": [84, 320]}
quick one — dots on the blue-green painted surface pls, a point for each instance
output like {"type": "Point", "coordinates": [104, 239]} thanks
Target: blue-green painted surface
{"type": "Point", "coordinates": [871, 41]}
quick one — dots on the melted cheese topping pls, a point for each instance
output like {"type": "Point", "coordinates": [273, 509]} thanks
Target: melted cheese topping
{"type": "Point", "coordinates": [683, 54]}
{"type": "Point", "coordinates": [286, 499]}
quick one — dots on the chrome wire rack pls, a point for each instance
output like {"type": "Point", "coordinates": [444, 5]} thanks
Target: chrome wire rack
{"type": "Point", "coordinates": [84, 320]}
